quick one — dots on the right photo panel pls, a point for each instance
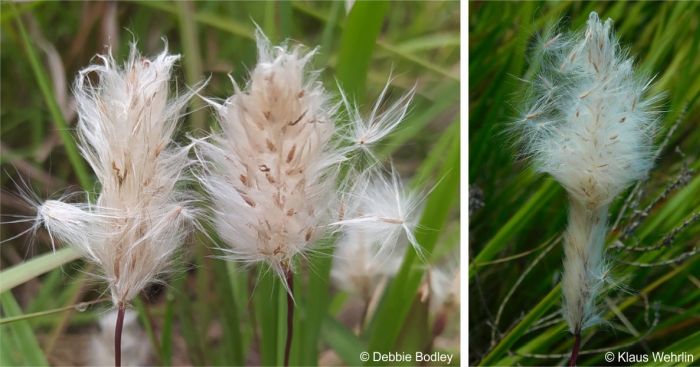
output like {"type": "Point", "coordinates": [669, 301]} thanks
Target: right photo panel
{"type": "Point", "coordinates": [583, 187]}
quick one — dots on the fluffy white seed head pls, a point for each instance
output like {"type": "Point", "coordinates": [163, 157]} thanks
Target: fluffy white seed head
{"type": "Point", "coordinates": [276, 172]}
{"type": "Point", "coordinates": [361, 264]}
{"type": "Point", "coordinates": [382, 209]}
{"type": "Point", "coordinates": [271, 172]}
{"type": "Point", "coordinates": [589, 124]}
{"type": "Point", "coordinates": [591, 127]}
{"type": "Point", "coordinates": [363, 133]}
{"type": "Point", "coordinates": [125, 128]}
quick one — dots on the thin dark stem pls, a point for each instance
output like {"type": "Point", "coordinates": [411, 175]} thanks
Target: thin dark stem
{"type": "Point", "coordinates": [290, 316]}
{"type": "Point", "coordinates": [118, 336]}
{"type": "Point", "coordinates": [575, 349]}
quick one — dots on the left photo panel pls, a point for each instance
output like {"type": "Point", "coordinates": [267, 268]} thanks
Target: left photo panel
{"type": "Point", "coordinates": [230, 183]}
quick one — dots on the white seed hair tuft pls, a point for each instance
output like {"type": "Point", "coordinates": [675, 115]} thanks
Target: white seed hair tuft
{"type": "Point", "coordinates": [125, 129]}
{"type": "Point", "coordinates": [589, 125]}
{"type": "Point", "coordinates": [275, 172]}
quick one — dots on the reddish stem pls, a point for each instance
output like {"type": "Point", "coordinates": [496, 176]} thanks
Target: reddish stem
{"type": "Point", "coordinates": [118, 336]}
{"type": "Point", "coordinates": [575, 349]}
{"type": "Point", "coordinates": [290, 317]}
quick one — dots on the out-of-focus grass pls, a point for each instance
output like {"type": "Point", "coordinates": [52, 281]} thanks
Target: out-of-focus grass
{"type": "Point", "coordinates": [523, 210]}
{"type": "Point", "coordinates": [222, 314]}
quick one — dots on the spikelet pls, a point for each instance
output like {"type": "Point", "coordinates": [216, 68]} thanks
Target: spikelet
{"type": "Point", "coordinates": [381, 208]}
{"type": "Point", "coordinates": [379, 218]}
{"type": "Point", "coordinates": [590, 127]}
{"type": "Point", "coordinates": [362, 133]}
{"type": "Point", "coordinates": [361, 264]}
{"type": "Point", "coordinates": [126, 123]}
{"type": "Point", "coordinates": [272, 174]}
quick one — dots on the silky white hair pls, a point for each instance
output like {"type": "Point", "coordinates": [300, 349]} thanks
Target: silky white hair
{"type": "Point", "coordinates": [591, 127]}
{"type": "Point", "coordinates": [274, 173]}
{"type": "Point", "coordinates": [379, 220]}
{"type": "Point", "coordinates": [142, 214]}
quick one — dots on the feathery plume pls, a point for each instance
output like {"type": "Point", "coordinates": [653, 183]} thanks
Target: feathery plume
{"type": "Point", "coordinates": [273, 171]}
{"type": "Point", "coordinates": [363, 133]}
{"type": "Point", "coordinates": [592, 129]}
{"type": "Point", "coordinates": [141, 216]}
{"type": "Point", "coordinates": [378, 220]}
{"type": "Point", "coordinates": [381, 208]}
{"type": "Point", "coordinates": [369, 249]}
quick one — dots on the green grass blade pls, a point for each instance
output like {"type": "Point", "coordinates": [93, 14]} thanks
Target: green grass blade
{"type": "Point", "coordinates": [391, 313]}
{"type": "Point", "coordinates": [71, 148]}
{"type": "Point", "coordinates": [146, 322]}
{"type": "Point", "coordinates": [266, 301]}
{"type": "Point", "coordinates": [686, 347]}
{"type": "Point", "coordinates": [166, 335]}
{"type": "Point", "coordinates": [343, 341]}
{"type": "Point", "coordinates": [192, 59]}
{"type": "Point", "coordinates": [545, 304]}
{"type": "Point", "coordinates": [316, 300]}
{"type": "Point", "coordinates": [362, 28]}
{"type": "Point", "coordinates": [26, 349]}
{"type": "Point", "coordinates": [232, 340]}
{"type": "Point", "coordinates": [524, 214]}
{"type": "Point", "coordinates": [38, 265]}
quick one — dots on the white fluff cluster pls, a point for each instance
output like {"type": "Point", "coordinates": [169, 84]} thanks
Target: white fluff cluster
{"type": "Point", "coordinates": [590, 126]}
{"type": "Point", "coordinates": [444, 285]}
{"type": "Point", "coordinates": [361, 264]}
{"type": "Point", "coordinates": [273, 173]}
{"type": "Point", "coordinates": [380, 217]}
{"type": "Point", "coordinates": [380, 207]}
{"type": "Point", "coordinates": [592, 129]}
{"type": "Point", "coordinates": [125, 128]}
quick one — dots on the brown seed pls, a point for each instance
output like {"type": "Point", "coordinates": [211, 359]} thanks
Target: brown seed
{"type": "Point", "coordinates": [301, 93]}
{"type": "Point", "coordinates": [308, 234]}
{"type": "Point", "coordinates": [248, 200]}
{"type": "Point", "coordinates": [298, 118]}
{"type": "Point", "coordinates": [290, 155]}
{"type": "Point", "coordinates": [270, 145]}
{"type": "Point", "coordinates": [264, 168]}
{"type": "Point", "coordinates": [267, 114]}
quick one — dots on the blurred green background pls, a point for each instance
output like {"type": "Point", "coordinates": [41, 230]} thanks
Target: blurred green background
{"type": "Point", "coordinates": [517, 215]}
{"type": "Point", "coordinates": [209, 314]}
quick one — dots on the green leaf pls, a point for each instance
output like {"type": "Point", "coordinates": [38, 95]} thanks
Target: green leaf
{"type": "Point", "coordinates": [266, 300]}
{"type": "Point", "coordinates": [515, 333]}
{"type": "Point", "coordinates": [343, 341]}
{"type": "Point", "coordinates": [393, 309]}
{"type": "Point", "coordinates": [18, 338]}
{"type": "Point", "coordinates": [34, 267]}
{"type": "Point", "coordinates": [62, 128]}
{"type": "Point", "coordinates": [524, 215]}
{"type": "Point", "coordinates": [362, 28]}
